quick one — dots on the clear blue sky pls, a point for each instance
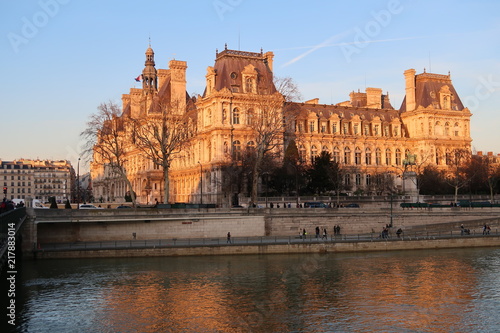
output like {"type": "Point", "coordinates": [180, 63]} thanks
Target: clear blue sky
{"type": "Point", "coordinates": [61, 58]}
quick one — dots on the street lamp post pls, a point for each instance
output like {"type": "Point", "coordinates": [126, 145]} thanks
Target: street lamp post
{"type": "Point", "coordinates": [201, 184]}
{"type": "Point", "coordinates": [78, 184]}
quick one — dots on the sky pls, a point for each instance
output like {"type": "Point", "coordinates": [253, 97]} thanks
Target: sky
{"type": "Point", "coordinates": [60, 59]}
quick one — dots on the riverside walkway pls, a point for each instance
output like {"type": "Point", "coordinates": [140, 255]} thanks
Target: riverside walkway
{"type": "Point", "coordinates": [255, 241]}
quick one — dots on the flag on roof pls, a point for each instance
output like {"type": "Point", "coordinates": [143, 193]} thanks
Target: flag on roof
{"type": "Point", "coordinates": [139, 78]}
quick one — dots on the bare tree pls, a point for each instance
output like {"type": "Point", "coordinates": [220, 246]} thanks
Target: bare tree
{"type": "Point", "coordinates": [106, 141]}
{"type": "Point", "coordinates": [268, 129]}
{"type": "Point", "coordinates": [288, 88]}
{"type": "Point", "coordinates": [457, 162]}
{"type": "Point", "coordinates": [162, 134]}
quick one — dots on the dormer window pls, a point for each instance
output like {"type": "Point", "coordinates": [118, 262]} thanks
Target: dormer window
{"type": "Point", "coordinates": [445, 98]}
{"type": "Point", "coordinates": [234, 76]}
{"type": "Point", "coordinates": [249, 85]}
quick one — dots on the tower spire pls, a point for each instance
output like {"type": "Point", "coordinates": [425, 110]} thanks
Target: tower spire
{"type": "Point", "coordinates": [149, 76]}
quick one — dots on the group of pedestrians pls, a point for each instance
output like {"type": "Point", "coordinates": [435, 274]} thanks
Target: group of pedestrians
{"type": "Point", "coordinates": [318, 233]}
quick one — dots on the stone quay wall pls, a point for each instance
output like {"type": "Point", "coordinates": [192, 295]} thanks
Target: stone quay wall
{"type": "Point", "coordinates": [58, 226]}
{"type": "Point", "coordinates": [260, 249]}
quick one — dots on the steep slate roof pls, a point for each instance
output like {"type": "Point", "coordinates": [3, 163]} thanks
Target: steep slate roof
{"type": "Point", "coordinates": [427, 87]}
{"type": "Point", "coordinates": [232, 61]}
{"type": "Point", "coordinates": [325, 111]}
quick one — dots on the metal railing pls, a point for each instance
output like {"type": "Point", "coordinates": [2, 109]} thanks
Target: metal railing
{"type": "Point", "coordinates": [251, 241]}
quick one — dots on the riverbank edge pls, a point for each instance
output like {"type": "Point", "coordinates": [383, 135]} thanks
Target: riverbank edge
{"type": "Point", "coordinates": [294, 248]}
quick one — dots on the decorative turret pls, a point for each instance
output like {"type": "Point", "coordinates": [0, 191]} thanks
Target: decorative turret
{"type": "Point", "coordinates": [149, 77]}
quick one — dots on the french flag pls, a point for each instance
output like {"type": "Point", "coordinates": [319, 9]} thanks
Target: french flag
{"type": "Point", "coordinates": [139, 78]}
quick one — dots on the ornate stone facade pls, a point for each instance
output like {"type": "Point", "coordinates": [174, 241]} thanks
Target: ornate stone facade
{"type": "Point", "coordinates": [366, 135]}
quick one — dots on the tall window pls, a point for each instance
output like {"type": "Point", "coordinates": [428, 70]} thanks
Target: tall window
{"type": "Point", "coordinates": [356, 129]}
{"type": "Point", "coordinates": [236, 116]}
{"type": "Point", "coordinates": [347, 179]}
{"type": "Point", "coordinates": [368, 179]}
{"type": "Point", "coordinates": [334, 128]}
{"type": "Point", "coordinates": [358, 179]}
{"type": "Point", "coordinates": [378, 156]}
{"type": "Point", "coordinates": [311, 126]}
{"type": "Point", "coordinates": [249, 85]}
{"type": "Point", "coordinates": [346, 128]}
{"type": "Point", "coordinates": [456, 129]}
{"type": "Point", "coordinates": [357, 156]}
{"type": "Point", "coordinates": [347, 156]}
{"type": "Point", "coordinates": [398, 157]}
{"type": "Point", "coordinates": [314, 152]}
{"type": "Point", "coordinates": [447, 129]}
{"type": "Point", "coordinates": [302, 153]}
{"type": "Point", "coordinates": [366, 129]}
{"type": "Point", "coordinates": [368, 156]}
{"type": "Point", "coordinates": [376, 130]}
{"type": "Point", "coordinates": [237, 150]}
{"type": "Point", "coordinates": [250, 117]}
{"type": "Point", "coordinates": [388, 157]}
{"type": "Point", "coordinates": [250, 145]}
{"type": "Point", "coordinates": [336, 154]}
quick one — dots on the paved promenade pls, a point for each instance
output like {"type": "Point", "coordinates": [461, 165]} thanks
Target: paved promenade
{"type": "Point", "coordinates": [255, 241]}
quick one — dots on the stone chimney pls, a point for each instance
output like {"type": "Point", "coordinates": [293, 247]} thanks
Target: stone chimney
{"type": "Point", "coordinates": [374, 98]}
{"type": "Point", "coordinates": [162, 77]}
{"type": "Point", "coordinates": [269, 59]}
{"type": "Point", "coordinates": [178, 84]}
{"type": "Point", "coordinates": [410, 89]}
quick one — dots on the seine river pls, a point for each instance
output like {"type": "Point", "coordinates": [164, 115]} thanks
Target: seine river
{"type": "Point", "coordinates": [409, 291]}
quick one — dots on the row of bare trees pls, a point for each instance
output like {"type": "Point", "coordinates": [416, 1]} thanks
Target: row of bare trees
{"type": "Point", "coordinates": [168, 128]}
{"type": "Point", "coordinates": [110, 137]}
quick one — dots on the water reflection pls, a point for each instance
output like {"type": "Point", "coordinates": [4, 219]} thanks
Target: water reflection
{"type": "Point", "coordinates": [413, 291]}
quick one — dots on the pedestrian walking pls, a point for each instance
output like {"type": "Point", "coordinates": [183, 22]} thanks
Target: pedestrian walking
{"type": "Point", "coordinates": [324, 234]}
{"type": "Point", "coordinates": [228, 238]}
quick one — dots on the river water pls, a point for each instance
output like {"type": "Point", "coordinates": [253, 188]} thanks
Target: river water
{"type": "Point", "coordinates": [408, 291]}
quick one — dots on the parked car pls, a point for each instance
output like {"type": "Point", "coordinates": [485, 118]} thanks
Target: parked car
{"type": "Point", "coordinates": [315, 205]}
{"type": "Point", "coordinates": [88, 206]}
{"type": "Point", "coordinates": [352, 205]}
{"type": "Point", "coordinates": [124, 206]}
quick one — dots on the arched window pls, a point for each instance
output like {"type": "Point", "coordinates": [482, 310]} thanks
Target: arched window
{"type": "Point", "coordinates": [236, 116]}
{"type": "Point", "coordinates": [378, 156]}
{"type": "Point", "coordinates": [336, 154]}
{"type": "Point", "coordinates": [398, 157]}
{"type": "Point", "coordinates": [302, 153]}
{"type": "Point", "coordinates": [357, 156]}
{"type": "Point", "coordinates": [250, 145]}
{"type": "Point", "coordinates": [324, 148]}
{"type": "Point", "coordinates": [438, 130]}
{"type": "Point", "coordinates": [347, 179]}
{"type": "Point", "coordinates": [347, 156]}
{"type": "Point", "coordinates": [456, 130]}
{"type": "Point", "coordinates": [250, 117]}
{"type": "Point", "coordinates": [237, 150]}
{"type": "Point", "coordinates": [447, 129]}
{"type": "Point", "coordinates": [314, 152]}
{"type": "Point", "coordinates": [388, 157]}
{"type": "Point", "coordinates": [368, 156]}
{"type": "Point", "coordinates": [368, 179]}
{"type": "Point", "coordinates": [358, 179]}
